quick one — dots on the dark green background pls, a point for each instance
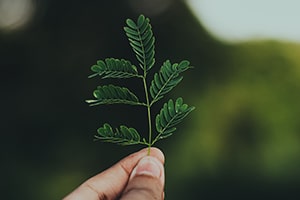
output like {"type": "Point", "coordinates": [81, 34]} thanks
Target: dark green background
{"type": "Point", "coordinates": [241, 142]}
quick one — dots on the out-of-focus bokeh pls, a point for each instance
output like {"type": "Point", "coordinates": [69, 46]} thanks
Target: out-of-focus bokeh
{"type": "Point", "coordinates": [237, 20]}
{"type": "Point", "coordinates": [241, 142]}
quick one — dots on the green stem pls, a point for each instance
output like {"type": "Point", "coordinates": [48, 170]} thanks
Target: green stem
{"type": "Point", "coordinates": [149, 113]}
{"type": "Point", "coordinates": [146, 93]}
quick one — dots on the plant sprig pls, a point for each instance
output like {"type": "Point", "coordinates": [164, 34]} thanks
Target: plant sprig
{"type": "Point", "coordinates": [141, 40]}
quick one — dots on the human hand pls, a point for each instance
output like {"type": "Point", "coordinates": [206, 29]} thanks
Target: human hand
{"type": "Point", "coordinates": [135, 177]}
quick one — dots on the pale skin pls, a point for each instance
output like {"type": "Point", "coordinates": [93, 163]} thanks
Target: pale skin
{"type": "Point", "coordinates": [137, 176]}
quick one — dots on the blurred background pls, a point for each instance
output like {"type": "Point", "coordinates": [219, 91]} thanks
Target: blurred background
{"type": "Point", "coordinates": [241, 142]}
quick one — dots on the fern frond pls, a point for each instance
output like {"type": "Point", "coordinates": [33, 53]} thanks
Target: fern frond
{"type": "Point", "coordinates": [141, 40]}
{"type": "Point", "coordinates": [170, 115]}
{"type": "Point", "coordinates": [167, 78]}
{"type": "Point", "coordinates": [111, 94]}
{"type": "Point", "coordinates": [114, 68]}
{"type": "Point", "coordinates": [122, 136]}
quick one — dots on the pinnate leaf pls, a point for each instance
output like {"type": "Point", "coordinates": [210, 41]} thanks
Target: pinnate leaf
{"type": "Point", "coordinates": [141, 40]}
{"type": "Point", "coordinates": [111, 94]}
{"type": "Point", "coordinates": [167, 78]}
{"type": "Point", "coordinates": [114, 68]}
{"type": "Point", "coordinates": [122, 135]}
{"type": "Point", "coordinates": [170, 115]}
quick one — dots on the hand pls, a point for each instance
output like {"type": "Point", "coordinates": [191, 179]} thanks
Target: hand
{"type": "Point", "coordinates": [135, 177]}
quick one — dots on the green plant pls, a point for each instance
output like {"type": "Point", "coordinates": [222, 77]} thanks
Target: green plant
{"type": "Point", "coordinates": [141, 40]}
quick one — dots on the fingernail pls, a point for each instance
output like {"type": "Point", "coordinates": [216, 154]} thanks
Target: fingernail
{"type": "Point", "coordinates": [148, 166]}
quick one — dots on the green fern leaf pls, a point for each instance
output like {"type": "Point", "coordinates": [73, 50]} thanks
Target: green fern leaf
{"type": "Point", "coordinates": [111, 94]}
{"type": "Point", "coordinates": [141, 40]}
{"type": "Point", "coordinates": [114, 68]}
{"type": "Point", "coordinates": [122, 136]}
{"type": "Point", "coordinates": [167, 78]}
{"type": "Point", "coordinates": [170, 115]}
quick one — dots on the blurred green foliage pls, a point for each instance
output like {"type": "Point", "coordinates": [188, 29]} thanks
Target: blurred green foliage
{"type": "Point", "coordinates": [242, 141]}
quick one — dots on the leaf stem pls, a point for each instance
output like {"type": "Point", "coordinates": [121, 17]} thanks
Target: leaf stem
{"type": "Point", "coordinates": [148, 113]}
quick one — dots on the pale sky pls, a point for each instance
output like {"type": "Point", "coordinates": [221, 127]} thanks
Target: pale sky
{"type": "Point", "coordinates": [239, 20]}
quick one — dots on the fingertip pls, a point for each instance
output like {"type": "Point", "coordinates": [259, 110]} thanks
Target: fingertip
{"type": "Point", "coordinates": [147, 179]}
{"type": "Point", "coordinates": [148, 165]}
{"type": "Point", "coordinates": [155, 152]}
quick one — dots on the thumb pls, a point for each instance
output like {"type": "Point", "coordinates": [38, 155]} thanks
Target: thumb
{"type": "Point", "coordinates": [146, 180]}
